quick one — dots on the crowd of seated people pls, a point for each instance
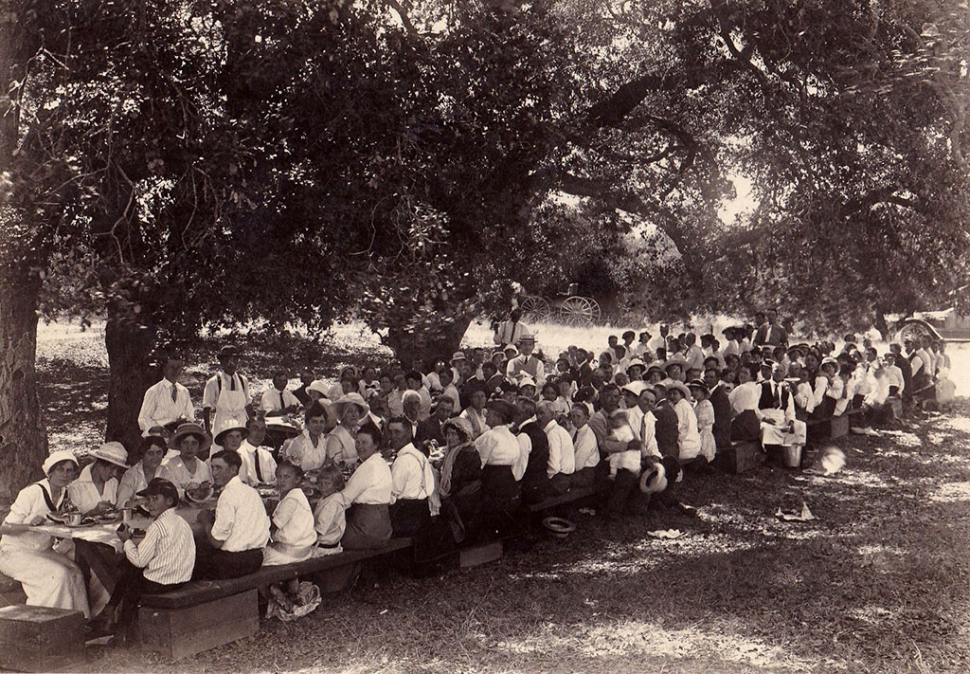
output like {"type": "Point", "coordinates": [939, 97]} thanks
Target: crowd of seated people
{"type": "Point", "coordinates": [448, 454]}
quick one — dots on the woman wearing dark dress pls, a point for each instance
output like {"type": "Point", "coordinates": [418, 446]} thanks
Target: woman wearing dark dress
{"type": "Point", "coordinates": [461, 478]}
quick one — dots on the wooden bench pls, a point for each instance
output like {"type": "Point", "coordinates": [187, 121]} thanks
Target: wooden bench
{"type": "Point", "coordinates": [11, 592]}
{"type": "Point", "coordinates": [207, 614]}
{"type": "Point", "coordinates": [570, 496]}
{"type": "Point", "coordinates": [740, 457]}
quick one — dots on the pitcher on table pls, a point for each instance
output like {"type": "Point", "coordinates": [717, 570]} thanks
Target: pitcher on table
{"type": "Point", "coordinates": [226, 392]}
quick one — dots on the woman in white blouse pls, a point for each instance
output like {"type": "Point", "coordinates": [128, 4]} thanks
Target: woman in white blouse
{"type": "Point", "coordinates": [341, 443]}
{"type": "Point", "coordinates": [367, 495]}
{"type": "Point", "coordinates": [49, 578]}
{"type": "Point", "coordinates": [96, 488]}
{"type": "Point", "coordinates": [138, 476]}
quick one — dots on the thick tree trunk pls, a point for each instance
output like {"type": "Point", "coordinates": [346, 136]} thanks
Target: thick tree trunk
{"type": "Point", "coordinates": [129, 347]}
{"type": "Point", "coordinates": [24, 443]}
{"type": "Point", "coordinates": [439, 341]}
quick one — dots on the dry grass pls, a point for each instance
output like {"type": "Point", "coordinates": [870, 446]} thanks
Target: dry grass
{"type": "Point", "coordinates": [878, 583]}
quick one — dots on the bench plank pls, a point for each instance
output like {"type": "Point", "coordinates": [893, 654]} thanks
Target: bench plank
{"type": "Point", "coordinates": [208, 590]}
{"type": "Point", "coordinates": [569, 497]}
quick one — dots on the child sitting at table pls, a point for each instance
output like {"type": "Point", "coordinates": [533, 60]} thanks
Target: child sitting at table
{"type": "Point", "coordinates": [166, 555]}
{"type": "Point", "coordinates": [622, 431]}
{"type": "Point", "coordinates": [329, 515]}
{"type": "Point", "coordinates": [293, 538]}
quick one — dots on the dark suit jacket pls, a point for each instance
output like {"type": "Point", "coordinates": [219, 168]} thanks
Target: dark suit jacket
{"type": "Point", "coordinates": [430, 429]}
{"type": "Point", "coordinates": [722, 417]}
{"type": "Point", "coordinates": [666, 428]}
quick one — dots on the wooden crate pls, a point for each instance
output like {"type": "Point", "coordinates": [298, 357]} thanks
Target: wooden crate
{"type": "Point", "coordinates": [11, 592]}
{"type": "Point", "coordinates": [740, 457]}
{"type": "Point", "coordinates": [180, 632]}
{"type": "Point", "coordinates": [40, 639]}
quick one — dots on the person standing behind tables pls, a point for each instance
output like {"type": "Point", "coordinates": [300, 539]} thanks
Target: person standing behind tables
{"type": "Point", "coordinates": [186, 470]}
{"type": "Point", "coordinates": [277, 400]}
{"type": "Point", "coordinates": [167, 403]}
{"type": "Point", "coordinates": [237, 531]}
{"type": "Point", "coordinates": [137, 477]}
{"type": "Point", "coordinates": [96, 488]}
{"type": "Point", "coordinates": [526, 362]}
{"type": "Point", "coordinates": [163, 561]}
{"type": "Point", "coordinates": [226, 394]}
{"type": "Point", "coordinates": [509, 331]}
{"type": "Point", "coordinates": [306, 378]}
{"type": "Point", "coordinates": [49, 578]}
{"type": "Point", "coordinates": [258, 464]}
{"type": "Point", "coordinates": [412, 482]}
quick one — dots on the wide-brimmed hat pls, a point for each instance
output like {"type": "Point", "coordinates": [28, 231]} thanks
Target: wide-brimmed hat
{"type": "Point", "coordinates": [457, 355]}
{"type": "Point", "coordinates": [159, 485]}
{"type": "Point", "coordinates": [350, 399]}
{"type": "Point", "coordinates": [175, 441]}
{"type": "Point", "coordinates": [503, 407]}
{"type": "Point", "coordinates": [828, 360]}
{"type": "Point", "coordinates": [55, 458]}
{"type": "Point", "coordinates": [655, 368]}
{"type": "Point", "coordinates": [462, 426]}
{"type": "Point", "coordinates": [228, 351]}
{"type": "Point", "coordinates": [229, 425]}
{"type": "Point", "coordinates": [526, 379]}
{"type": "Point", "coordinates": [509, 347]}
{"type": "Point", "coordinates": [676, 359]}
{"type": "Point", "coordinates": [526, 337]}
{"type": "Point", "coordinates": [697, 383]}
{"type": "Point", "coordinates": [112, 452]}
{"type": "Point", "coordinates": [635, 387]}
{"type": "Point", "coordinates": [320, 387]}
{"type": "Point", "coordinates": [675, 385]}
{"type": "Point", "coordinates": [636, 362]}
{"type": "Point", "coordinates": [653, 479]}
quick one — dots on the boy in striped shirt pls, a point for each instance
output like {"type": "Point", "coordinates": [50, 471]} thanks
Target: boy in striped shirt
{"type": "Point", "coordinates": [162, 562]}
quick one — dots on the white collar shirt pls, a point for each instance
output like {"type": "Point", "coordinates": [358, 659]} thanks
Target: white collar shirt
{"type": "Point", "coordinates": [294, 521]}
{"type": "Point", "coordinates": [370, 484]}
{"type": "Point", "coordinates": [241, 521]}
{"type": "Point", "coordinates": [585, 451]}
{"type": "Point", "coordinates": [498, 447]}
{"type": "Point", "coordinates": [562, 455]}
{"type": "Point", "coordinates": [275, 400]}
{"type": "Point", "coordinates": [158, 408]}
{"type": "Point", "coordinates": [180, 475]}
{"type": "Point", "coordinates": [30, 503]}
{"type": "Point", "coordinates": [411, 475]}
{"type": "Point", "coordinates": [258, 465]}
{"type": "Point", "coordinates": [84, 493]}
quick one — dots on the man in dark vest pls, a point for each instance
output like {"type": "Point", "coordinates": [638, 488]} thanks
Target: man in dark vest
{"type": "Point", "coordinates": [667, 432]}
{"type": "Point", "coordinates": [534, 483]}
{"type": "Point", "coordinates": [722, 409]}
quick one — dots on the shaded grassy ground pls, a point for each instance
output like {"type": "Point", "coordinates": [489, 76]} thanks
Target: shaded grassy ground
{"type": "Point", "coordinates": [878, 583]}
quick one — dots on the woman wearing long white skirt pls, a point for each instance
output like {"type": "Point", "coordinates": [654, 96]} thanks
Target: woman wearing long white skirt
{"type": "Point", "coordinates": [48, 577]}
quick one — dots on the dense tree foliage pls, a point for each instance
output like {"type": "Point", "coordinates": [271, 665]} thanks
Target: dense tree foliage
{"type": "Point", "coordinates": [194, 164]}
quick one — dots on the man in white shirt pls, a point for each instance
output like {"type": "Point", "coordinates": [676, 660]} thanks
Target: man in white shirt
{"type": "Point", "coordinates": [509, 332]}
{"type": "Point", "coordinates": [166, 404]}
{"type": "Point", "coordinates": [586, 452]}
{"type": "Point", "coordinates": [258, 464]}
{"type": "Point", "coordinates": [237, 531]}
{"type": "Point", "coordinates": [278, 401]}
{"type": "Point", "coordinates": [562, 454]}
{"type": "Point", "coordinates": [412, 482]}
{"type": "Point", "coordinates": [525, 362]}
{"type": "Point", "coordinates": [226, 394]}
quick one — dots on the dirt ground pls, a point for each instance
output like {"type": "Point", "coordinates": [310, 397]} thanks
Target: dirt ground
{"type": "Point", "coordinates": [877, 583]}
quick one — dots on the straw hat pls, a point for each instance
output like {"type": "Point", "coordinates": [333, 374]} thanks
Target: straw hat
{"type": "Point", "coordinates": [635, 387]}
{"type": "Point", "coordinates": [636, 362]}
{"type": "Point", "coordinates": [228, 351]}
{"type": "Point", "coordinates": [55, 458]}
{"type": "Point", "coordinates": [350, 399]}
{"type": "Point", "coordinates": [190, 429]}
{"type": "Point", "coordinates": [230, 424]}
{"type": "Point", "coordinates": [457, 356]}
{"type": "Point", "coordinates": [676, 359]}
{"type": "Point", "coordinates": [462, 426]}
{"type": "Point", "coordinates": [678, 386]}
{"type": "Point", "coordinates": [320, 387]}
{"type": "Point", "coordinates": [112, 452]}
{"type": "Point", "coordinates": [698, 384]}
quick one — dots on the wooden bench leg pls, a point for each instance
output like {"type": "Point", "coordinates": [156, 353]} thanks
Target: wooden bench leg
{"type": "Point", "coordinates": [179, 633]}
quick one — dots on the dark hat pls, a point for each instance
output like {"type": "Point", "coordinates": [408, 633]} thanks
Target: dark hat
{"type": "Point", "coordinates": [697, 383]}
{"type": "Point", "coordinates": [505, 408]}
{"type": "Point", "coordinates": [159, 485]}
{"type": "Point", "coordinates": [228, 351]}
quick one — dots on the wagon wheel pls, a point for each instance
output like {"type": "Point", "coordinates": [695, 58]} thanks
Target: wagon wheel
{"type": "Point", "coordinates": [579, 311]}
{"type": "Point", "coordinates": [912, 331]}
{"type": "Point", "coordinates": [535, 309]}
